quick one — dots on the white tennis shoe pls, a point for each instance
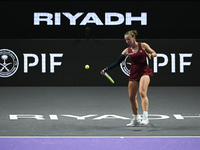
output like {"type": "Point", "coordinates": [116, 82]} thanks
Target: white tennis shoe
{"type": "Point", "coordinates": [145, 120]}
{"type": "Point", "coordinates": [135, 121]}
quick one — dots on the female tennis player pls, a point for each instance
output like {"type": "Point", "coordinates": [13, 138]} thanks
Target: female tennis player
{"type": "Point", "coordinates": [139, 77]}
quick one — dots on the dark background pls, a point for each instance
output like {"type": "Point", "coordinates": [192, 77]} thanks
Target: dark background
{"type": "Point", "coordinates": [172, 27]}
{"type": "Point", "coordinates": [165, 19]}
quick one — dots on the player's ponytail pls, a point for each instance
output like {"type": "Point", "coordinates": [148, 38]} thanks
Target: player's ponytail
{"type": "Point", "coordinates": [132, 33]}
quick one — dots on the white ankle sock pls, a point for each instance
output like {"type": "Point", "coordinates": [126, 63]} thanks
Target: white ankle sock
{"type": "Point", "coordinates": [136, 116]}
{"type": "Point", "coordinates": [145, 113]}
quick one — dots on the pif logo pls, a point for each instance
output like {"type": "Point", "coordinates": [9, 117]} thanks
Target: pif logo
{"type": "Point", "coordinates": [125, 65]}
{"type": "Point", "coordinates": [9, 63]}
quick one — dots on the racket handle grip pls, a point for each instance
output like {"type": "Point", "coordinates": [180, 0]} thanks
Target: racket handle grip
{"type": "Point", "coordinates": [104, 70]}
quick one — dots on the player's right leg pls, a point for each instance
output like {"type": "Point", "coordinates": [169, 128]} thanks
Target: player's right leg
{"type": "Point", "coordinates": [133, 90]}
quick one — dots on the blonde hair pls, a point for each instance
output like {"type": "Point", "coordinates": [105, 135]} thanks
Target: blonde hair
{"type": "Point", "coordinates": [132, 33]}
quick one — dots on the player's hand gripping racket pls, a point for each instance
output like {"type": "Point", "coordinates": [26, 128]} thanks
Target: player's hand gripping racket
{"type": "Point", "coordinates": [109, 78]}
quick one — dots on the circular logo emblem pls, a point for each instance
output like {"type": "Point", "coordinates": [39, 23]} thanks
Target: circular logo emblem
{"type": "Point", "coordinates": [9, 63]}
{"type": "Point", "coordinates": [125, 66]}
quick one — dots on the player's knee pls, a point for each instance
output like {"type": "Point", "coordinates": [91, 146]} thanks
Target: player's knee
{"type": "Point", "coordinates": [132, 97]}
{"type": "Point", "coordinates": [142, 93]}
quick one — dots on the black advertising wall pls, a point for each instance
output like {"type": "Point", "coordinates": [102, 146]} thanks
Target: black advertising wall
{"type": "Point", "coordinates": [61, 62]}
{"type": "Point", "coordinates": [69, 19]}
{"type": "Point", "coordinates": [49, 42]}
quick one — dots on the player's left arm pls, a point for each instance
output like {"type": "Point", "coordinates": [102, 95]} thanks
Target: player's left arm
{"type": "Point", "coordinates": [148, 50]}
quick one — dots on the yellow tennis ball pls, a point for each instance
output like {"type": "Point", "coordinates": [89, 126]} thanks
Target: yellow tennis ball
{"type": "Point", "coordinates": [87, 66]}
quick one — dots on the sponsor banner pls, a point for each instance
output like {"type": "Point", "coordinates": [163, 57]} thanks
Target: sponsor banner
{"type": "Point", "coordinates": [62, 62]}
{"type": "Point", "coordinates": [99, 19]}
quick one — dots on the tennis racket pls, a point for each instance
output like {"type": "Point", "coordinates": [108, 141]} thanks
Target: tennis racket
{"type": "Point", "coordinates": [109, 78]}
